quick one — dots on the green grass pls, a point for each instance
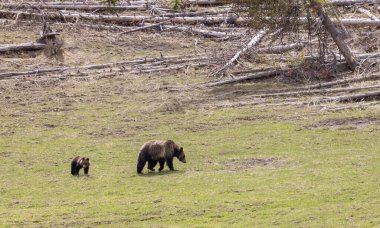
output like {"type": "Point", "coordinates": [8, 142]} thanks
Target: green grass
{"type": "Point", "coordinates": [321, 176]}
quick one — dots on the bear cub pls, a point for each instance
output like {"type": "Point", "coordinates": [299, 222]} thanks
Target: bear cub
{"type": "Point", "coordinates": [160, 151]}
{"type": "Point", "coordinates": [80, 162]}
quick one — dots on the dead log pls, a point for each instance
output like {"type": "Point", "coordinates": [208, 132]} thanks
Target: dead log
{"type": "Point", "coordinates": [132, 20]}
{"type": "Point", "coordinates": [175, 67]}
{"type": "Point", "coordinates": [355, 97]}
{"type": "Point", "coordinates": [352, 2]}
{"type": "Point", "coordinates": [205, 2]}
{"type": "Point", "coordinates": [144, 27]}
{"type": "Point", "coordinates": [259, 75]}
{"type": "Point", "coordinates": [316, 91]}
{"type": "Point", "coordinates": [196, 14]}
{"type": "Point", "coordinates": [203, 32]}
{"type": "Point", "coordinates": [104, 27]}
{"type": "Point", "coordinates": [281, 48]}
{"type": "Point", "coordinates": [82, 7]}
{"type": "Point", "coordinates": [333, 2]}
{"type": "Point", "coordinates": [22, 47]}
{"type": "Point", "coordinates": [359, 22]}
{"type": "Point", "coordinates": [339, 41]}
{"type": "Point", "coordinates": [254, 41]}
{"type": "Point", "coordinates": [369, 14]}
{"type": "Point", "coordinates": [124, 20]}
{"type": "Point", "coordinates": [338, 82]}
{"type": "Point", "coordinates": [117, 66]}
{"type": "Point", "coordinates": [30, 72]}
{"type": "Point", "coordinates": [347, 21]}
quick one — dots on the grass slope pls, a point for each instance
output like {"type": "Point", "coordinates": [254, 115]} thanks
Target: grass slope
{"type": "Point", "coordinates": [247, 166]}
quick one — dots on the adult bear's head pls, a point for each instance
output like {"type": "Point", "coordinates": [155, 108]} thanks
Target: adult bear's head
{"type": "Point", "coordinates": [181, 155]}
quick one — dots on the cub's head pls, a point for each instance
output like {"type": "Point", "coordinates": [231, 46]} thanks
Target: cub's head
{"type": "Point", "coordinates": [181, 155]}
{"type": "Point", "coordinates": [85, 162]}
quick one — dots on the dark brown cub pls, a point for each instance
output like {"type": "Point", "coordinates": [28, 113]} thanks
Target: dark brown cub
{"type": "Point", "coordinates": [80, 162]}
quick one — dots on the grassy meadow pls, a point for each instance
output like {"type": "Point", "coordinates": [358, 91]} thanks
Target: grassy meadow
{"type": "Point", "coordinates": [247, 166]}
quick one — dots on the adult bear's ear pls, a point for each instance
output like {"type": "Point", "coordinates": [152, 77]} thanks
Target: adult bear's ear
{"type": "Point", "coordinates": [181, 150]}
{"type": "Point", "coordinates": [88, 159]}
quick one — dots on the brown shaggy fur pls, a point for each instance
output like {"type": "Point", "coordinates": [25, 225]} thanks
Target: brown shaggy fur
{"type": "Point", "coordinates": [159, 151]}
{"type": "Point", "coordinates": [80, 162]}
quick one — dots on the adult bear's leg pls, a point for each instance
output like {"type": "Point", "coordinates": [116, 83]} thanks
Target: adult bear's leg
{"type": "Point", "coordinates": [169, 161]}
{"type": "Point", "coordinates": [86, 170]}
{"type": "Point", "coordinates": [152, 164]}
{"type": "Point", "coordinates": [162, 164]}
{"type": "Point", "coordinates": [140, 163]}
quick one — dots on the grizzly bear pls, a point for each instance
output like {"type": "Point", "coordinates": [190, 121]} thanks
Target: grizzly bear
{"type": "Point", "coordinates": [80, 162]}
{"type": "Point", "coordinates": [159, 151]}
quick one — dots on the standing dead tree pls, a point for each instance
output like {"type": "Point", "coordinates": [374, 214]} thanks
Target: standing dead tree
{"type": "Point", "coordinates": [287, 16]}
{"type": "Point", "coordinates": [330, 27]}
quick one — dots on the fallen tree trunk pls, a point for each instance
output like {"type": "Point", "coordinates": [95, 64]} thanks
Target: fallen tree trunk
{"type": "Point", "coordinates": [355, 97]}
{"type": "Point", "coordinates": [105, 27]}
{"type": "Point", "coordinates": [333, 2]}
{"type": "Point", "coordinates": [315, 91]}
{"type": "Point", "coordinates": [281, 48]}
{"type": "Point", "coordinates": [175, 67]}
{"type": "Point", "coordinates": [338, 82]}
{"type": "Point", "coordinates": [22, 47]}
{"type": "Point", "coordinates": [203, 32]}
{"type": "Point", "coordinates": [205, 2]}
{"type": "Point", "coordinates": [120, 65]}
{"type": "Point", "coordinates": [348, 21]}
{"type": "Point", "coordinates": [259, 75]}
{"type": "Point", "coordinates": [131, 20]}
{"type": "Point", "coordinates": [369, 14]}
{"type": "Point", "coordinates": [123, 20]}
{"type": "Point", "coordinates": [90, 2]}
{"type": "Point", "coordinates": [144, 27]}
{"type": "Point", "coordinates": [254, 41]}
{"type": "Point", "coordinates": [73, 7]}
{"type": "Point", "coordinates": [352, 2]}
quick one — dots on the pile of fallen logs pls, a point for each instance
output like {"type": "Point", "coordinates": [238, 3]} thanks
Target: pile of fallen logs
{"type": "Point", "coordinates": [215, 19]}
{"type": "Point", "coordinates": [136, 66]}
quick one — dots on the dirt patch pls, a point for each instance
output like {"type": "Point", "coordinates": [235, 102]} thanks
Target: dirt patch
{"type": "Point", "coordinates": [6, 154]}
{"type": "Point", "coordinates": [346, 124]}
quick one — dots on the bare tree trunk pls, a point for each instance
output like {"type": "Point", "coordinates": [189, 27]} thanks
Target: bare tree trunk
{"type": "Point", "coordinates": [355, 97]}
{"type": "Point", "coordinates": [254, 41]}
{"type": "Point", "coordinates": [330, 27]}
{"type": "Point", "coordinates": [22, 47]}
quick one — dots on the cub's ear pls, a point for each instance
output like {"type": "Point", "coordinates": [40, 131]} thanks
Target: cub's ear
{"type": "Point", "coordinates": [88, 159]}
{"type": "Point", "coordinates": [181, 149]}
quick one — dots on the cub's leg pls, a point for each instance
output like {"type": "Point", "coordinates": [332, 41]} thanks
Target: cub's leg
{"type": "Point", "coordinates": [73, 169]}
{"type": "Point", "coordinates": [78, 169]}
{"type": "Point", "coordinates": [162, 164]}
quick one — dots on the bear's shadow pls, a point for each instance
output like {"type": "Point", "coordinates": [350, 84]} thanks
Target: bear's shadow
{"type": "Point", "coordinates": [164, 172]}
